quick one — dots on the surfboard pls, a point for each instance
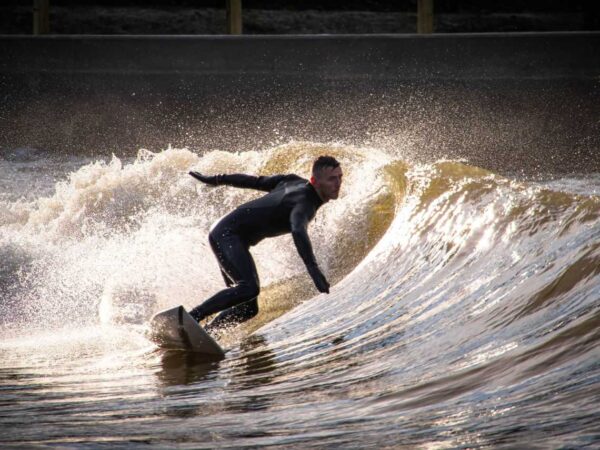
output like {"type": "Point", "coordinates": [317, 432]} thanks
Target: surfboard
{"type": "Point", "coordinates": [174, 328]}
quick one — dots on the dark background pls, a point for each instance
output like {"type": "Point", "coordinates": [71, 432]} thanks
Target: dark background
{"type": "Point", "coordinates": [300, 16]}
{"type": "Point", "coordinates": [524, 103]}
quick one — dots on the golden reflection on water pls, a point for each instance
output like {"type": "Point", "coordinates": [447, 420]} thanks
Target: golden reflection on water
{"type": "Point", "coordinates": [181, 367]}
{"type": "Point", "coordinates": [198, 378]}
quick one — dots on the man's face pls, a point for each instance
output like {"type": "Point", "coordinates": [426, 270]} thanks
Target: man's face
{"type": "Point", "coordinates": [327, 182]}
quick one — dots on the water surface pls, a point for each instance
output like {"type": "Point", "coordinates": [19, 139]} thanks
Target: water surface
{"type": "Point", "coordinates": [464, 311]}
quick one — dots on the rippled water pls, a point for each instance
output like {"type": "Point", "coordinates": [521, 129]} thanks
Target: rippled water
{"type": "Point", "coordinates": [465, 310]}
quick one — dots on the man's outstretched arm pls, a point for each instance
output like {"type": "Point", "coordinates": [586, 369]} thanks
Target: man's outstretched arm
{"type": "Point", "coordinates": [299, 221]}
{"type": "Point", "coordinates": [241, 180]}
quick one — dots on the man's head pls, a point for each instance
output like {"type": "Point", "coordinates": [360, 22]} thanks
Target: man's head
{"type": "Point", "coordinates": [326, 177]}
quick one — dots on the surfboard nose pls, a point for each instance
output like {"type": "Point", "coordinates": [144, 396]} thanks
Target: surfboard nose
{"type": "Point", "coordinates": [174, 328]}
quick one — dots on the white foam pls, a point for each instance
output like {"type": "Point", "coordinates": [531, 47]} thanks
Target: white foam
{"type": "Point", "coordinates": [128, 238]}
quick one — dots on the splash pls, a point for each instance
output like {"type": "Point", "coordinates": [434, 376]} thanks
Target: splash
{"type": "Point", "coordinates": [116, 241]}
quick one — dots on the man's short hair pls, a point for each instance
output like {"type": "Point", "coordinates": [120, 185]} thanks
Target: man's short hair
{"type": "Point", "coordinates": [324, 161]}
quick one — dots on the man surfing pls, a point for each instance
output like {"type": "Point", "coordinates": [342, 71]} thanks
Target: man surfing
{"type": "Point", "coordinates": [291, 203]}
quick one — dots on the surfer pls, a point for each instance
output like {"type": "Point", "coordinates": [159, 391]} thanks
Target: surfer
{"type": "Point", "coordinates": [291, 203]}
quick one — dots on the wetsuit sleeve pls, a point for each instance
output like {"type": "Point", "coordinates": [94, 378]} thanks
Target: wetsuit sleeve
{"type": "Point", "coordinates": [299, 218]}
{"type": "Point", "coordinates": [241, 180]}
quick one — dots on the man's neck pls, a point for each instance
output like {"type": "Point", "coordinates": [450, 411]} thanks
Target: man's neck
{"type": "Point", "coordinates": [318, 192]}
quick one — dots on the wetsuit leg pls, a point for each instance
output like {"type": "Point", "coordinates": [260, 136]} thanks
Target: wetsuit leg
{"type": "Point", "coordinates": [228, 281]}
{"type": "Point", "coordinates": [235, 314]}
{"type": "Point", "coordinates": [236, 263]}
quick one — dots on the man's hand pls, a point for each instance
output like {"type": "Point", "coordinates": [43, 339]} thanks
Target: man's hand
{"type": "Point", "coordinates": [212, 180]}
{"type": "Point", "coordinates": [318, 278]}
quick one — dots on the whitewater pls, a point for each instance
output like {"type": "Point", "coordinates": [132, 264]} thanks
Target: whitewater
{"type": "Point", "coordinates": [464, 310]}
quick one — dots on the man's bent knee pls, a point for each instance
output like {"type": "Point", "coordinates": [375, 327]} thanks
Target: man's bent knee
{"type": "Point", "coordinates": [249, 291]}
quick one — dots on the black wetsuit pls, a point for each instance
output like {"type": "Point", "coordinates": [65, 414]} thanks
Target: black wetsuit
{"type": "Point", "coordinates": [288, 208]}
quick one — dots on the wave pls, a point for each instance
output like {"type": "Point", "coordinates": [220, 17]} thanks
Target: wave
{"type": "Point", "coordinates": [480, 282]}
{"type": "Point", "coordinates": [461, 299]}
{"type": "Point", "coordinates": [126, 238]}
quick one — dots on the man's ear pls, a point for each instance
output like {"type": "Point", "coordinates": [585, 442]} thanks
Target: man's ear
{"type": "Point", "coordinates": [312, 180]}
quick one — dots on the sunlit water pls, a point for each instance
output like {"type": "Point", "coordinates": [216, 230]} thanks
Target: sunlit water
{"type": "Point", "coordinates": [464, 311]}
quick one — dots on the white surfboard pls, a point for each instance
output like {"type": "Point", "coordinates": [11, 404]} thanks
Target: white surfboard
{"type": "Point", "coordinates": [174, 328]}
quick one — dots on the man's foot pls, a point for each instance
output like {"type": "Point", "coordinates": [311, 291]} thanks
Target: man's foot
{"type": "Point", "coordinates": [233, 316]}
{"type": "Point", "coordinates": [197, 313]}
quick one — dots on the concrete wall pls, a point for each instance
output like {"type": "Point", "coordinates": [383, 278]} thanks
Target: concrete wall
{"type": "Point", "coordinates": [504, 101]}
{"type": "Point", "coordinates": [406, 57]}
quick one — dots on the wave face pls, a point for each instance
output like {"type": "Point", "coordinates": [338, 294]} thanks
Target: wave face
{"type": "Point", "coordinates": [464, 311]}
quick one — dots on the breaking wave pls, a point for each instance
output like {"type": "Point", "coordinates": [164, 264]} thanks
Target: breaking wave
{"type": "Point", "coordinates": [464, 310]}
